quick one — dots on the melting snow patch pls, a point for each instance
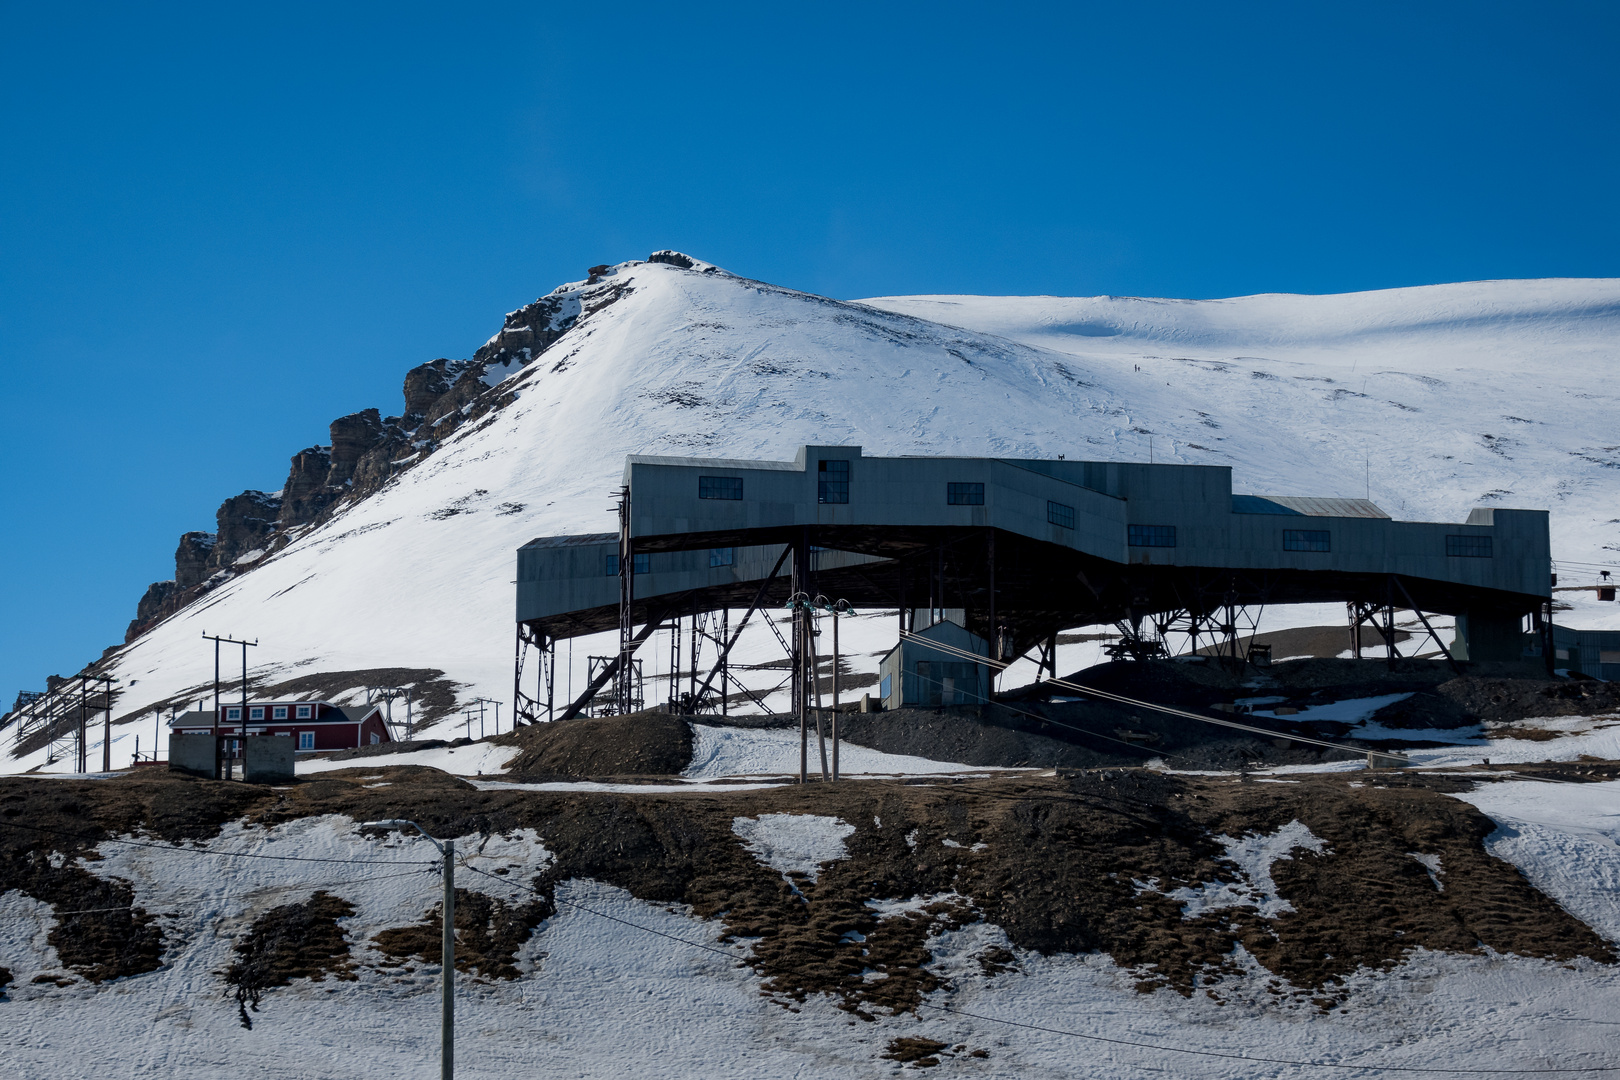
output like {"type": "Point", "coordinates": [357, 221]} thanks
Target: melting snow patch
{"type": "Point", "coordinates": [730, 751]}
{"type": "Point", "coordinates": [1431, 863]}
{"type": "Point", "coordinates": [894, 909]}
{"type": "Point", "coordinates": [458, 760]}
{"type": "Point", "coordinates": [1350, 711]}
{"type": "Point", "coordinates": [1253, 855]}
{"type": "Point", "coordinates": [794, 843]}
{"type": "Point", "coordinates": [1565, 838]}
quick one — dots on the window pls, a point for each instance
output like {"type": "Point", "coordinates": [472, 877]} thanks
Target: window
{"type": "Point", "coordinates": [964, 494]}
{"type": "Point", "coordinates": [306, 739]}
{"type": "Point", "coordinates": [640, 562]}
{"type": "Point", "coordinates": [1307, 540]}
{"type": "Point", "coordinates": [233, 714]}
{"type": "Point", "coordinates": [278, 712]}
{"type": "Point", "coordinates": [1468, 547]}
{"type": "Point", "coordinates": [305, 712]}
{"type": "Point", "coordinates": [722, 556]}
{"type": "Point", "coordinates": [1058, 514]}
{"type": "Point", "coordinates": [832, 482]}
{"type": "Point", "coordinates": [256, 713]}
{"type": "Point", "coordinates": [720, 487]}
{"type": "Point", "coordinates": [1151, 535]}
{"type": "Point", "coordinates": [375, 738]}
{"type": "Point", "coordinates": [886, 687]}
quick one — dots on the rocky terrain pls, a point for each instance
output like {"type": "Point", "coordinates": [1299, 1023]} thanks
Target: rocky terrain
{"type": "Point", "coordinates": [368, 449]}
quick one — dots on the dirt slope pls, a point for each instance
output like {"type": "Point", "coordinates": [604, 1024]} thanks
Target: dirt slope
{"type": "Point", "coordinates": [1073, 863]}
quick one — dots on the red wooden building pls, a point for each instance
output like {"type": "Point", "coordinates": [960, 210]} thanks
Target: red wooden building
{"type": "Point", "coordinates": [317, 725]}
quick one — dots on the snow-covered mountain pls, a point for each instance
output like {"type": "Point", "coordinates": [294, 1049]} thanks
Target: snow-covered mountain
{"type": "Point", "coordinates": [1430, 400]}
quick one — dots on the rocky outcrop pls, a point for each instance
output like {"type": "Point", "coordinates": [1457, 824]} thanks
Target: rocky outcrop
{"type": "Point", "coordinates": [352, 436]}
{"type": "Point", "coordinates": [531, 330]}
{"type": "Point", "coordinates": [191, 559]}
{"type": "Point", "coordinates": [247, 523]}
{"type": "Point", "coordinates": [303, 497]}
{"type": "Point", "coordinates": [367, 450]}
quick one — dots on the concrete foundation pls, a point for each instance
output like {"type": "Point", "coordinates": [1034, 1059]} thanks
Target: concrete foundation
{"type": "Point", "coordinates": [196, 755]}
{"type": "Point", "coordinates": [268, 758]}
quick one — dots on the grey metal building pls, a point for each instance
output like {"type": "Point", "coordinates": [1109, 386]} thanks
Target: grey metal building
{"type": "Point", "coordinates": [1590, 652]}
{"type": "Point", "coordinates": [1024, 547]}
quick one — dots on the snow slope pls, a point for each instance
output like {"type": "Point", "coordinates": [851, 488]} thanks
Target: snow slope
{"type": "Point", "coordinates": [614, 986]}
{"type": "Point", "coordinates": [1436, 399]}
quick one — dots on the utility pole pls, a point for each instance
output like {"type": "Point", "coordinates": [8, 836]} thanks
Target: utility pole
{"type": "Point", "coordinates": [627, 584]}
{"type": "Point", "coordinates": [106, 723]}
{"type": "Point", "coordinates": [839, 607]}
{"type": "Point", "coordinates": [218, 640]}
{"type": "Point", "coordinates": [447, 944]}
{"type": "Point", "coordinates": [84, 751]}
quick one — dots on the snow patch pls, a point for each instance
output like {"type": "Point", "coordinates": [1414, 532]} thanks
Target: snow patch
{"type": "Point", "coordinates": [737, 751]}
{"type": "Point", "coordinates": [1253, 855]}
{"type": "Point", "coordinates": [1431, 863]}
{"type": "Point", "coordinates": [794, 843]}
{"type": "Point", "coordinates": [1564, 838]}
{"type": "Point", "coordinates": [485, 758]}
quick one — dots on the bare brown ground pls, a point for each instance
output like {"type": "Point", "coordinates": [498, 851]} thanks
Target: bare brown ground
{"type": "Point", "coordinates": [641, 744]}
{"type": "Point", "coordinates": [489, 932]}
{"type": "Point", "coordinates": [292, 941]}
{"type": "Point", "coordinates": [1055, 872]}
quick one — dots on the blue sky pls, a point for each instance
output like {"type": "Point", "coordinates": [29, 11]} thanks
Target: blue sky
{"type": "Point", "coordinates": [221, 226]}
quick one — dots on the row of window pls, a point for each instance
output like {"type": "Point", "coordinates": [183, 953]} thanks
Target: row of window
{"type": "Point", "coordinates": [277, 712]}
{"type": "Point", "coordinates": [306, 739]}
{"type": "Point", "coordinates": [638, 564]}
{"type": "Point", "coordinates": [643, 563]}
{"type": "Point", "coordinates": [832, 486]}
{"type": "Point", "coordinates": [1461, 547]}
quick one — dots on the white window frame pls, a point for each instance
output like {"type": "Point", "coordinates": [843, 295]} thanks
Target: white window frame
{"type": "Point", "coordinates": [306, 712]}
{"type": "Point", "coordinates": [306, 740]}
{"type": "Point", "coordinates": [278, 712]}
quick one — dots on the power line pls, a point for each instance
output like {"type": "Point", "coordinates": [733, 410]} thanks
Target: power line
{"type": "Point", "coordinates": [205, 851]}
{"type": "Point", "coordinates": [1121, 699]}
{"type": "Point", "coordinates": [1074, 1034]}
{"type": "Point", "coordinates": [131, 906]}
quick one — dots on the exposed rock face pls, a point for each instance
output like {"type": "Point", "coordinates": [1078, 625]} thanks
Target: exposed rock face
{"type": "Point", "coordinates": [150, 608]}
{"type": "Point", "coordinates": [530, 331]}
{"type": "Point", "coordinates": [352, 436]}
{"type": "Point", "coordinates": [191, 559]}
{"type": "Point", "coordinates": [246, 522]}
{"type": "Point", "coordinates": [423, 386]}
{"type": "Point", "coordinates": [302, 498]}
{"type": "Point", "coordinates": [368, 450]}
{"type": "Point", "coordinates": [672, 258]}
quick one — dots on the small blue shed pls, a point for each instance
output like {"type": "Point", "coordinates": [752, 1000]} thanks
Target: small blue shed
{"type": "Point", "coordinates": [914, 675]}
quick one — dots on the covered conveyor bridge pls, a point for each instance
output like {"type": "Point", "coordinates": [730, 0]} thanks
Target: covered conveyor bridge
{"type": "Point", "coordinates": [1018, 549]}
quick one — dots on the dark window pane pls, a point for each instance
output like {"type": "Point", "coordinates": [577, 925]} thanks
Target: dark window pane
{"type": "Point", "coordinates": [722, 556]}
{"type": "Point", "coordinates": [832, 482]}
{"type": "Point", "coordinates": [1058, 514]}
{"type": "Point", "coordinates": [1151, 535]}
{"type": "Point", "coordinates": [1469, 547]}
{"type": "Point", "coordinates": [720, 487]}
{"type": "Point", "coordinates": [964, 494]}
{"type": "Point", "coordinates": [1307, 540]}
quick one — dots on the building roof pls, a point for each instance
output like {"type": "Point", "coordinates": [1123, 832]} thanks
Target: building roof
{"type": "Point", "coordinates": [572, 541]}
{"type": "Point", "coordinates": [1306, 506]}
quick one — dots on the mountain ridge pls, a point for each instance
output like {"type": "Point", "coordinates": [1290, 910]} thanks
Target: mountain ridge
{"type": "Point", "coordinates": [407, 524]}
